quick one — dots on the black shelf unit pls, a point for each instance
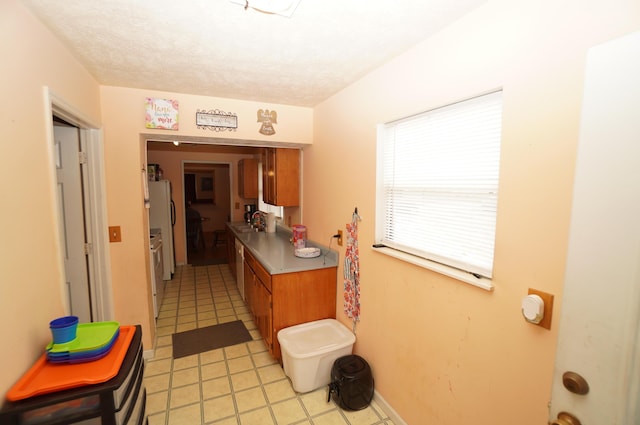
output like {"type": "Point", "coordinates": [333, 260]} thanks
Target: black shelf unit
{"type": "Point", "coordinates": [119, 401]}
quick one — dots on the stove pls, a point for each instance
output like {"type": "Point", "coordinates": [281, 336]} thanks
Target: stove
{"type": "Point", "coordinates": [157, 284]}
{"type": "Point", "coordinates": [155, 238]}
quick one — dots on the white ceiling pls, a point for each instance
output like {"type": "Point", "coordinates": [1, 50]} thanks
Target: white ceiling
{"type": "Point", "coordinates": [217, 48]}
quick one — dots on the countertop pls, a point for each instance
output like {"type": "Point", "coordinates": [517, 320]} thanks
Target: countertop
{"type": "Point", "coordinates": [275, 251]}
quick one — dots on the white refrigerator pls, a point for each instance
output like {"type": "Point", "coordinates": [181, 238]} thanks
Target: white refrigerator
{"type": "Point", "coordinates": [162, 215]}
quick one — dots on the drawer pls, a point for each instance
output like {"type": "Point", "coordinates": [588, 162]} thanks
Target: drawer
{"type": "Point", "coordinates": [257, 268]}
{"type": "Point", "coordinates": [124, 414]}
{"type": "Point", "coordinates": [64, 412]}
{"type": "Point", "coordinates": [248, 258]}
{"type": "Point", "coordinates": [262, 274]}
{"type": "Point", "coordinates": [138, 415]}
{"type": "Point", "coordinates": [119, 395]}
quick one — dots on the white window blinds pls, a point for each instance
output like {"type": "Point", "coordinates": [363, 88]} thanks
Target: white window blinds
{"type": "Point", "coordinates": [438, 183]}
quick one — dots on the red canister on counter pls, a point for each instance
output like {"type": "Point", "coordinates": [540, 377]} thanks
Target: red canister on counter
{"type": "Point", "coordinates": [299, 236]}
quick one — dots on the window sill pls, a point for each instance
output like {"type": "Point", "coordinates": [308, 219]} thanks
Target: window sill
{"type": "Point", "coordinates": [481, 282]}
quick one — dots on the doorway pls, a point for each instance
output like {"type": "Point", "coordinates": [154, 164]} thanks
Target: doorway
{"type": "Point", "coordinates": [93, 300]}
{"type": "Point", "coordinates": [207, 196]}
{"type": "Point", "coordinates": [70, 175]}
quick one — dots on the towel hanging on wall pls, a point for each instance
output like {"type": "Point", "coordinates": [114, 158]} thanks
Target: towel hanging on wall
{"type": "Point", "coordinates": [352, 272]}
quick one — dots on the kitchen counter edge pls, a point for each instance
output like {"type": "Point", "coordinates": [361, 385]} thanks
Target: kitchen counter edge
{"type": "Point", "coordinates": [276, 254]}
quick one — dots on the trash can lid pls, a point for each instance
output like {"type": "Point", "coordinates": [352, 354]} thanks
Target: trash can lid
{"type": "Point", "coordinates": [313, 338]}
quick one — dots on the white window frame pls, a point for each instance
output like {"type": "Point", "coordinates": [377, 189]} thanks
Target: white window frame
{"type": "Point", "coordinates": [404, 148]}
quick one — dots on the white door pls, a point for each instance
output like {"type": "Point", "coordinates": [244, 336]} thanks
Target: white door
{"type": "Point", "coordinates": [72, 213]}
{"type": "Point", "coordinates": [598, 334]}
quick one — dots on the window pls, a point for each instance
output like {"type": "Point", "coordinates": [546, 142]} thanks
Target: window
{"type": "Point", "coordinates": [437, 185]}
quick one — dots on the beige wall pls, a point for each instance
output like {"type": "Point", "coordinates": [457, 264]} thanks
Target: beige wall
{"type": "Point", "coordinates": [444, 352]}
{"type": "Point", "coordinates": [126, 110]}
{"type": "Point", "coordinates": [30, 255]}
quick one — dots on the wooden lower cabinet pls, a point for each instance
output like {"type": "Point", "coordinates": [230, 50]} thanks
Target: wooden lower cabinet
{"type": "Point", "coordinates": [263, 312]}
{"type": "Point", "coordinates": [282, 300]}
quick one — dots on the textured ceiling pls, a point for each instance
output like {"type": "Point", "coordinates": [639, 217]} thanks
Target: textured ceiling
{"type": "Point", "coordinates": [217, 48]}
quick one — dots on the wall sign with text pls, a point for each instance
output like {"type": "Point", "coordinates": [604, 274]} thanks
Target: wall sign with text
{"type": "Point", "coordinates": [216, 120]}
{"type": "Point", "coordinates": [161, 113]}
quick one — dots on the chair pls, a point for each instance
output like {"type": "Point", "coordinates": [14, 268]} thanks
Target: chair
{"type": "Point", "coordinates": [194, 228]}
{"type": "Point", "coordinates": [219, 236]}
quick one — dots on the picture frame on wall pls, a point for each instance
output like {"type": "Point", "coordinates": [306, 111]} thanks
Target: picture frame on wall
{"type": "Point", "coordinates": [205, 187]}
{"type": "Point", "coordinates": [161, 114]}
{"type": "Point", "coordinates": [216, 120]}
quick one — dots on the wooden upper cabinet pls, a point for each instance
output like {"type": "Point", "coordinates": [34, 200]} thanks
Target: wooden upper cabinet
{"type": "Point", "coordinates": [248, 178]}
{"type": "Point", "coordinates": [269, 176]}
{"type": "Point", "coordinates": [281, 177]}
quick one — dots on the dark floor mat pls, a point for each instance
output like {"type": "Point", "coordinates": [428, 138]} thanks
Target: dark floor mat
{"type": "Point", "coordinates": [210, 338]}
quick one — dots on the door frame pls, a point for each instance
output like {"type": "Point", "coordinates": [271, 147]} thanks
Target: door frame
{"type": "Point", "coordinates": [184, 199]}
{"type": "Point", "coordinates": [99, 261]}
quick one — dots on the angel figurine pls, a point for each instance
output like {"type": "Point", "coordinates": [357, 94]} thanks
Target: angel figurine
{"type": "Point", "coordinates": [267, 118]}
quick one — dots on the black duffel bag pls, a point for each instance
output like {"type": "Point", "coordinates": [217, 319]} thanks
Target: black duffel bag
{"type": "Point", "coordinates": [351, 383]}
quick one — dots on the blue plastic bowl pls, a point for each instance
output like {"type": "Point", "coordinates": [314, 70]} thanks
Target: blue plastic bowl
{"type": "Point", "coordinates": [64, 329]}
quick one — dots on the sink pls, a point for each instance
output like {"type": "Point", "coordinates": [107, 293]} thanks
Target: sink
{"type": "Point", "coordinates": [242, 228]}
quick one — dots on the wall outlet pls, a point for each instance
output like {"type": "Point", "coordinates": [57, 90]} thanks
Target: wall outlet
{"type": "Point", "coordinates": [339, 237]}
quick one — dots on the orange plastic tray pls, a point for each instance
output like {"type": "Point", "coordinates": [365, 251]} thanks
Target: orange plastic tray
{"type": "Point", "coordinates": [45, 377]}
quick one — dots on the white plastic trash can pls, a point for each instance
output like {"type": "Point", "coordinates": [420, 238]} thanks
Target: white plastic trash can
{"type": "Point", "coordinates": [309, 350]}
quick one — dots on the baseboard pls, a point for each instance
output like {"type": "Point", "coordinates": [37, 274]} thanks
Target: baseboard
{"type": "Point", "coordinates": [148, 354]}
{"type": "Point", "coordinates": [393, 415]}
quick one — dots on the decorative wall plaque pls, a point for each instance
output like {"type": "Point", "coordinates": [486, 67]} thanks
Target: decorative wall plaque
{"type": "Point", "coordinates": [216, 120]}
{"type": "Point", "coordinates": [267, 118]}
{"type": "Point", "coordinates": [161, 113]}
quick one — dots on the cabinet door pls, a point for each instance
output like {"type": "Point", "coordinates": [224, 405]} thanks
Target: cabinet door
{"type": "Point", "coordinates": [268, 326]}
{"type": "Point", "coordinates": [301, 297]}
{"type": "Point", "coordinates": [263, 306]}
{"type": "Point", "coordinates": [269, 176]}
{"type": "Point", "coordinates": [287, 177]}
{"type": "Point", "coordinates": [249, 282]}
{"type": "Point", "coordinates": [281, 177]}
{"type": "Point", "coordinates": [248, 178]}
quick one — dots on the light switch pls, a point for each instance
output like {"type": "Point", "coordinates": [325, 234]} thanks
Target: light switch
{"type": "Point", "coordinates": [114, 234]}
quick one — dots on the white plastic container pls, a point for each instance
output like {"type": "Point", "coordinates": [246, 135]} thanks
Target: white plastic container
{"type": "Point", "coordinates": [309, 350]}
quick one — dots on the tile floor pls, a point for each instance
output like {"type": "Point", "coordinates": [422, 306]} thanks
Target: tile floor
{"type": "Point", "coordinates": [241, 384]}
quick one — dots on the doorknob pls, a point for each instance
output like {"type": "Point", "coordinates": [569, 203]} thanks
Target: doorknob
{"type": "Point", "coordinates": [565, 418]}
{"type": "Point", "coordinates": [575, 383]}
